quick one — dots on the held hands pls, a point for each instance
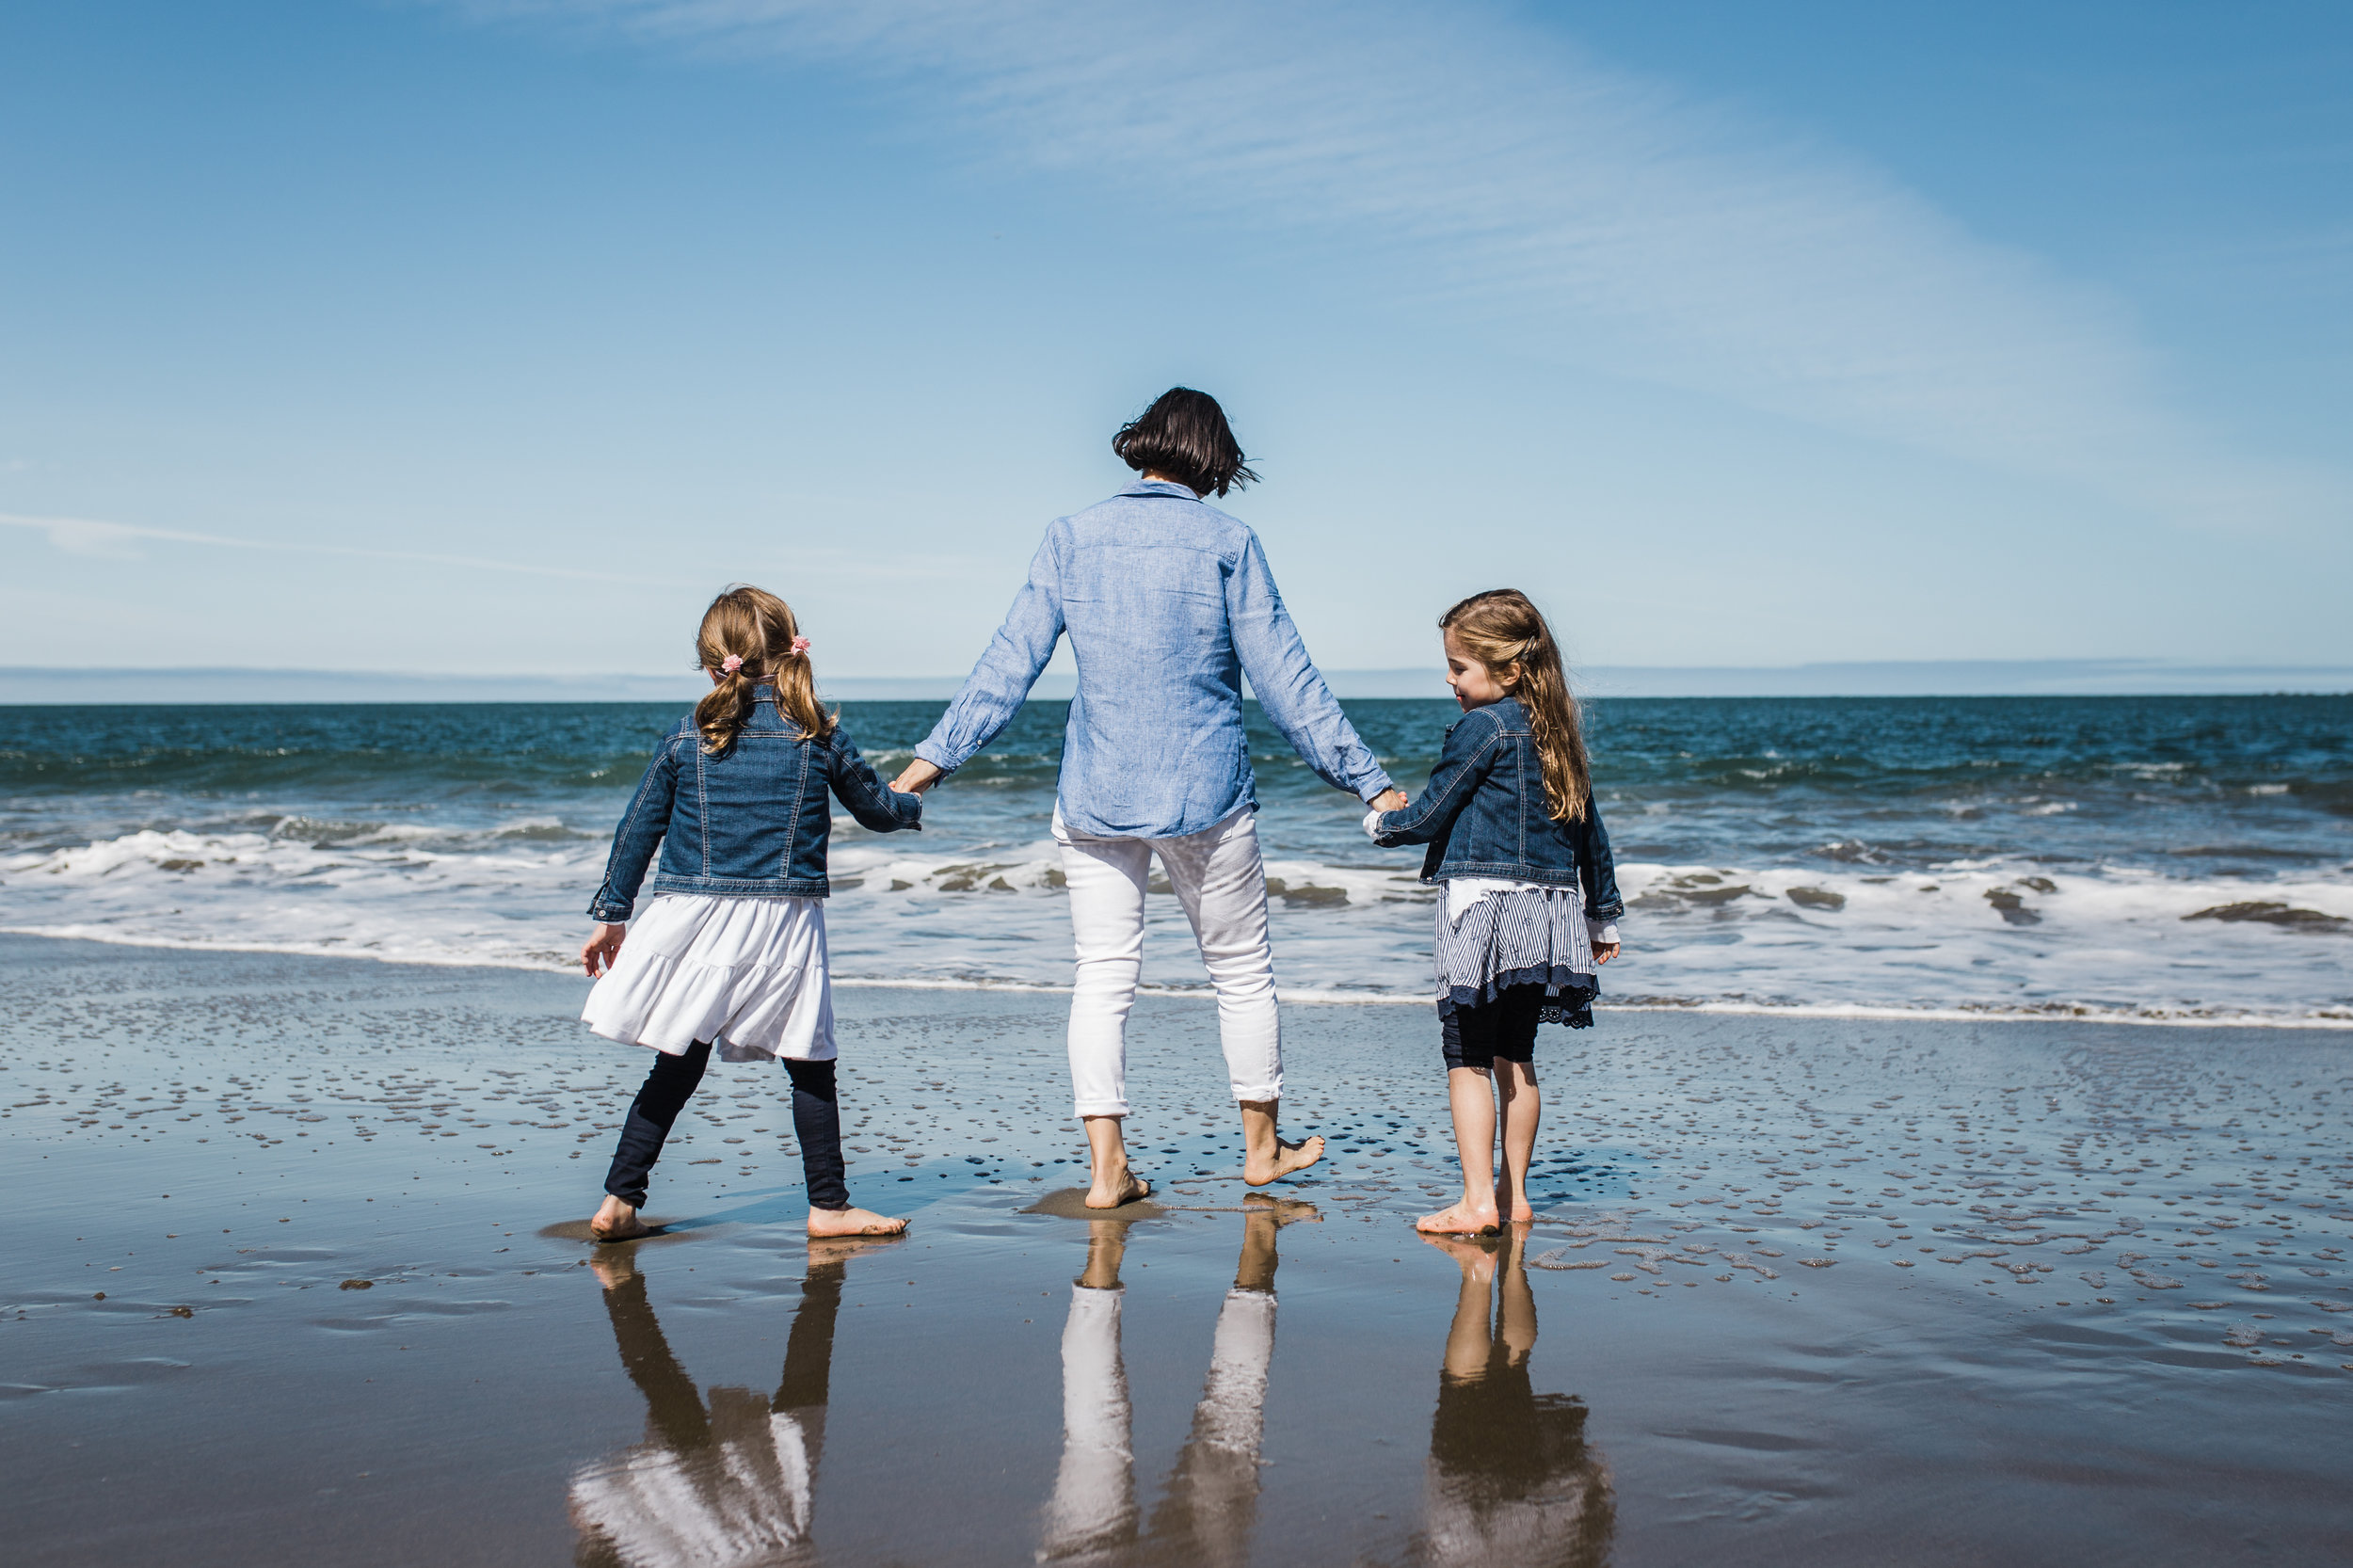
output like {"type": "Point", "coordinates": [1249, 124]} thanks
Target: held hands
{"type": "Point", "coordinates": [597, 953]}
{"type": "Point", "coordinates": [1388, 800]}
{"type": "Point", "coordinates": [918, 777]}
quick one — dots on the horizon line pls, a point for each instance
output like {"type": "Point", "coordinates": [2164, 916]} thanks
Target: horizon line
{"type": "Point", "coordinates": [40, 685]}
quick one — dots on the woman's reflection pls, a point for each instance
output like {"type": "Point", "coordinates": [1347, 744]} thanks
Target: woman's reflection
{"type": "Point", "coordinates": [727, 1483]}
{"type": "Point", "coordinates": [1511, 1479]}
{"type": "Point", "coordinates": [1211, 1499]}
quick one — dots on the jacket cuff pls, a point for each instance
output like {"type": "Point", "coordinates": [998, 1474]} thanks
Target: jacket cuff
{"type": "Point", "coordinates": [607, 914]}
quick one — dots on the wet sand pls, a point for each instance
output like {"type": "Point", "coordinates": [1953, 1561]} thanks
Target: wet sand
{"type": "Point", "coordinates": [298, 1277]}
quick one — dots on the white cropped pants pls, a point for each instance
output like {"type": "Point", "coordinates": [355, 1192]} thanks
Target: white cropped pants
{"type": "Point", "coordinates": [1220, 880]}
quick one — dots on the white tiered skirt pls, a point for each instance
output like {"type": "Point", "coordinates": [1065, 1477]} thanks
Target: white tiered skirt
{"type": "Point", "coordinates": [748, 974]}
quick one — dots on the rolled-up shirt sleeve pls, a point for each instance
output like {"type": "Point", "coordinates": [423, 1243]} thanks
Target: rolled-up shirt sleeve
{"type": "Point", "coordinates": [1288, 685]}
{"type": "Point", "coordinates": [1000, 682]}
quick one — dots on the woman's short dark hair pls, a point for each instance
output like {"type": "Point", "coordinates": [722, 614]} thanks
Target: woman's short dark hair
{"type": "Point", "coordinates": [1184, 436]}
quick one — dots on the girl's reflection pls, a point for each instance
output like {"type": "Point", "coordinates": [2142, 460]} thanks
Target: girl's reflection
{"type": "Point", "coordinates": [1211, 1499]}
{"type": "Point", "coordinates": [725, 1484]}
{"type": "Point", "coordinates": [1511, 1479]}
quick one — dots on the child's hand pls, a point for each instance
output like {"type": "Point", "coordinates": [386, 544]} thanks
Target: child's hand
{"type": "Point", "coordinates": [1605, 952]}
{"type": "Point", "coordinates": [1388, 800]}
{"type": "Point", "coordinates": [597, 953]}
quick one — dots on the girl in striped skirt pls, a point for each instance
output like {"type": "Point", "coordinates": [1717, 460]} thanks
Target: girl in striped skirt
{"type": "Point", "coordinates": [1528, 894]}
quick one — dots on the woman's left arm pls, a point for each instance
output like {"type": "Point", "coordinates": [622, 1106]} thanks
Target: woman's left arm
{"type": "Point", "coordinates": [857, 786]}
{"type": "Point", "coordinates": [1288, 685]}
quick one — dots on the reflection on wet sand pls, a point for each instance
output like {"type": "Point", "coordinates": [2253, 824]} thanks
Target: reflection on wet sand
{"type": "Point", "coordinates": [1210, 1503]}
{"type": "Point", "coordinates": [725, 1483]}
{"type": "Point", "coordinates": [1511, 1479]}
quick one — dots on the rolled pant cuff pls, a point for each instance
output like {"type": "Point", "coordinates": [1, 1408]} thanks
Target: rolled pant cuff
{"type": "Point", "coordinates": [1100, 1108]}
{"type": "Point", "coordinates": [1264, 1092]}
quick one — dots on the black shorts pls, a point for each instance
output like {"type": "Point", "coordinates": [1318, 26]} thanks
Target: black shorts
{"type": "Point", "coordinates": [1505, 1027]}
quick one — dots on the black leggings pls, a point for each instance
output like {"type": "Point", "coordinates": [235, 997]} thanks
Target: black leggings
{"type": "Point", "coordinates": [816, 1122]}
{"type": "Point", "coordinates": [1475, 1036]}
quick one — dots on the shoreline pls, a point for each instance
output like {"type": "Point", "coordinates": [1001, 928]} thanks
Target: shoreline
{"type": "Point", "coordinates": [2063, 1012]}
{"type": "Point", "coordinates": [301, 1280]}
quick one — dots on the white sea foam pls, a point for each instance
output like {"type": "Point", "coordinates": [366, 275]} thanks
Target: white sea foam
{"type": "Point", "coordinates": [1973, 939]}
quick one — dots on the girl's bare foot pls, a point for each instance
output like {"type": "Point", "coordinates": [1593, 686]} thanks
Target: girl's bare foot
{"type": "Point", "coordinates": [1518, 1210]}
{"type": "Point", "coordinates": [615, 1221]}
{"type": "Point", "coordinates": [1461, 1220]}
{"type": "Point", "coordinates": [824, 1250]}
{"type": "Point", "coordinates": [853, 1222]}
{"type": "Point", "coordinates": [1128, 1188]}
{"type": "Point", "coordinates": [1288, 1160]}
{"type": "Point", "coordinates": [1478, 1260]}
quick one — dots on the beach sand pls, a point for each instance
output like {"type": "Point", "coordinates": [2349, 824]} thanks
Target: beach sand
{"type": "Point", "coordinates": [298, 1277]}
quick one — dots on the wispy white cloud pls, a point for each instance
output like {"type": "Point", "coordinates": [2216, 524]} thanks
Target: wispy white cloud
{"type": "Point", "coordinates": [1492, 169]}
{"type": "Point", "coordinates": [123, 541]}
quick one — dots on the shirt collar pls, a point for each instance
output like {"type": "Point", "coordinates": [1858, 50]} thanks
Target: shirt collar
{"type": "Point", "coordinates": [1160, 486]}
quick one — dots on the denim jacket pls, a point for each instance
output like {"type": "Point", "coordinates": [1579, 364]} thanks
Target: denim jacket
{"type": "Point", "coordinates": [750, 823]}
{"type": "Point", "coordinates": [1168, 605]}
{"type": "Point", "coordinates": [1484, 814]}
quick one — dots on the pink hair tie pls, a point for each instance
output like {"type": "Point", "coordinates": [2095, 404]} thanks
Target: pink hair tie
{"type": "Point", "coordinates": [732, 663]}
{"type": "Point", "coordinates": [800, 645]}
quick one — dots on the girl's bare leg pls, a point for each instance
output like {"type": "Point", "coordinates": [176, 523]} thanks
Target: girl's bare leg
{"type": "Point", "coordinates": [1515, 1317]}
{"type": "Point", "coordinates": [1523, 1105]}
{"type": "Point", "coordinates": [1111, 1182]}
{"type": "Point", "coordinates": [1472, 1095]}
{"type": "Point", "coordinates": [853, 1222]}
{"type": "Point", "coordinates": [1470, 1339]}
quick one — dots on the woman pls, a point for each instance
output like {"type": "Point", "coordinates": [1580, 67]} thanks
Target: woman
{"type": "Point", "coordinates": [1168, 605]}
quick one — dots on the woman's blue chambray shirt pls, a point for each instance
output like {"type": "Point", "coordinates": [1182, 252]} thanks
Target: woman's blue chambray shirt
{"type": "Point", "coordinates": [1168, 605]}
{"type": "Point", "coordinates": [753, 822]}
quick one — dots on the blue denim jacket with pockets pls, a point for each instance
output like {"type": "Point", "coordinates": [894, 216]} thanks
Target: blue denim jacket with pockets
{"type": "Point", "coordinates": [1168, 605]}
{"type": "Point", "coordinates": [1484, 814]}
{"type": "Point", "coordinates": [752, 822]}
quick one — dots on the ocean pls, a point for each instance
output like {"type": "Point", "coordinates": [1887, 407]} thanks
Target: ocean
{"type": "Point", "coordinates": [2160, 859]}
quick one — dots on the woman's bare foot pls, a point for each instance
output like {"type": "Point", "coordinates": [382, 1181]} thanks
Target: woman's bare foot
{"type": "Point", "coordinates": [1289, 1159]}
{"type": "Point", "coordinates": [1284, 1211]}
{"type": "Point", "coordinates": [1461, 1220]}
{"type": "Point", "coordinates": [853, 1222]}
{"type": "Point", "coordinates": [1128, 1188]}
{"type": "Point", "coordinates": [615, 1221]}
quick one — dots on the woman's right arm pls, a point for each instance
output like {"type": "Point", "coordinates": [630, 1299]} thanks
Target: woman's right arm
{"type": "Point", "coordinates": [638, 837]}
{"type": "Point", "coordinates": [1470, 751]}
{"type": "Point", "coordinates": [1000, 684]}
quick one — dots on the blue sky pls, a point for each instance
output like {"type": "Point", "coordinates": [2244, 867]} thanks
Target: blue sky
{"type": "Point", "coordinates": [493, 336]}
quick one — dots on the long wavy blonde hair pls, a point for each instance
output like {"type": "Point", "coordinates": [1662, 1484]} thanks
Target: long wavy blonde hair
{"type": "Point", "coordinates": [755, 626]}
{"type": "Point", "coordinates": [1503, 630]}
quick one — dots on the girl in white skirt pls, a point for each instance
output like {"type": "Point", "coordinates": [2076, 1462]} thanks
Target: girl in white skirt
{"type": "Point", "coordinates": [729, 952]}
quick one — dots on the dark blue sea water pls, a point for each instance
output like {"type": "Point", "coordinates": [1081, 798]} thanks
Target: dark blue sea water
{"type": "Point", "coordinates": [2153, 856]}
